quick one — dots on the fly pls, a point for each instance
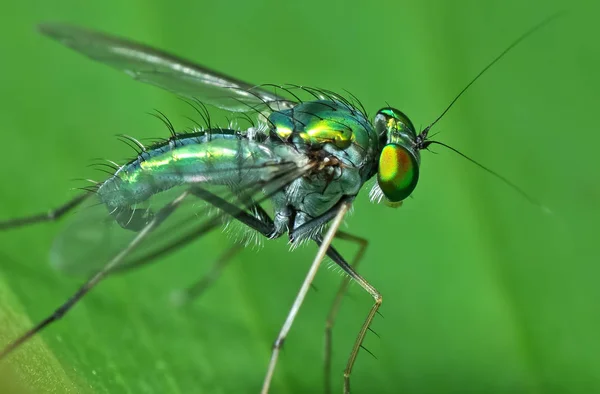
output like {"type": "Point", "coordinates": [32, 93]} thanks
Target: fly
{"type": "Point", "coordinates": [307, 158]}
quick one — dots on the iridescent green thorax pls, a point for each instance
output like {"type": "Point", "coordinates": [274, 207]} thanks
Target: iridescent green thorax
{"type": "Point", "coordinates": [335, 127]}
{"type": "Point", "coordinates": [323, 121]}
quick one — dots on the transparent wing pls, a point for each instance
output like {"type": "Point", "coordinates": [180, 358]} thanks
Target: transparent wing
{"type": "Point", "coordinates": [92, 236]}
{"type": "Point", "coordinates": [166, 71]}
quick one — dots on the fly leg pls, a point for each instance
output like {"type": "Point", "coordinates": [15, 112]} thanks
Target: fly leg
{"type": "Point", "coordinates": [337, 302]}
{"type": "Point", "coordinates": [160, 216]}
{"type": "Point", "coordinates": [114, 265]}
{"type": "Point", "coordinates": [342, 209]}
{"type": "Point", "coordinates": [254, 217]}
{"type": "Point", "coordinates": [258, 220]}
{"type": "Point", "coordinates": [51, 216]}
{"type": "Point", "coordinates": [353, 275]}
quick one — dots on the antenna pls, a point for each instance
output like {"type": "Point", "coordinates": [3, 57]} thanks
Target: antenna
{"type": "Point", "coordinates": [496, 59]}
{"type": "Point", "coordinates": [505, 180]}
{"type": "Point", "coordinates": [423, 142]}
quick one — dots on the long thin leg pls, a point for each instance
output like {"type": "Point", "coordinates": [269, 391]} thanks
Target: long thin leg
{"type": "Point", "coordinates": [339, 260]}
{"type": "Point", "coordinates": [113, 265]}
{"type": "Point", "coordinates": [261, 222]}
{"type": "Point", "coordinates": [337, 302]}
{"type": "Point", "coordinates": [50, 216]}
{"type": "Point", "coordinates": [161, 215]}
{"type": "Point", "coordinates": [343, 209]}
{"type": "Point", "coordinates": [184, 296]}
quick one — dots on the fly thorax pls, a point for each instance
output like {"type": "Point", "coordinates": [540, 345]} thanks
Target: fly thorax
{"type": "Point", "coordinates": [337, 125]}
{"type": "Point", "coordinates": [319, 191]}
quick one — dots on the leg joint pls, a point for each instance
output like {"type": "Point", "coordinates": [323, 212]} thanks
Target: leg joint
{"type": "Point", "coordinates": [278, 344]}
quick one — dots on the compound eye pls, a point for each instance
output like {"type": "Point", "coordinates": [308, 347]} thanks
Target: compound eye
{"type": "Point", "coordinates": [397, 119]}
{"type": "Point", "coordinates": [398, 172]}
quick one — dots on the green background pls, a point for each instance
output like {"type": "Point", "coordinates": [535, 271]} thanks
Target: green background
{"type": "Point", "coordinates": [483, 293]}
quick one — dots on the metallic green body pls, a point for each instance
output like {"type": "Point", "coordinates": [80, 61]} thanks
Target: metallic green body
{"type": "Point", "coordinates": [316, 123]}
{"type": "Point", "coordinates": [334, 136]}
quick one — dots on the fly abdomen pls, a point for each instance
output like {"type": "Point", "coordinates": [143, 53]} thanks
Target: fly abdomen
{"type": "Point", "coordinates": [224, 159]}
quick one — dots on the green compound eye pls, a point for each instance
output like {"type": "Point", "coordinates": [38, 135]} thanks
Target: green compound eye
{"type": "Point", "coordinates": [396, 119]}
{"type": "Point", "coordinates": [398, 172]}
